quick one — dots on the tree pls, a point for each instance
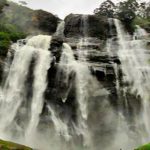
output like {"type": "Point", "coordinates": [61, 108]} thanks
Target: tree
{"type": "Point", "coordinates": [127, 10]}
{"type": "Point", "coordinates": [107, 8]}
{"type": "Point", "coordinates": [147, 11]}
{"type": "Point", "coordinates": [2, 4]}
{"type": "Point", "coordinates": [142, 10]}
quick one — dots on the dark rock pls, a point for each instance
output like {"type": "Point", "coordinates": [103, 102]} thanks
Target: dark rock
{"type": "Point", "coordinates": [73, 25]}
{"type": "Point", "coordinates": [1, 69]}
{"type": "Point", "coordinates": [61, 91]}
{"type": "Point", "coordinates": [45, 21]}
{"type": "Point", "coordinates": [100, 74]}
{"type": "Point", "coordinates": [110, 73]}
{"type": "Point", "coordinates": [56, 47]}
{"type": "Point", "coordinates": [97, 26]}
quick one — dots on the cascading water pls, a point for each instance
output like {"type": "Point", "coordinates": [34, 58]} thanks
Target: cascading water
{"type": "Point", "coordinates": [82, 74]}
{"type": "Point", "coordinates": [83, 42]}
{"type": "Point", "coordinates": [14, 89]}
{"type": "Point", "coordinates": [42, 65]}
{"type": "Point", "coordinates": [14, 86]}
{"type": "Point", "coordinates": [60, 29]}
{"type": "Point", "coordinates": [140, 33]}
{"type": "Point", "coordinates": [55, 101]}
{"type": "Point", "coordinates": [135, 67]}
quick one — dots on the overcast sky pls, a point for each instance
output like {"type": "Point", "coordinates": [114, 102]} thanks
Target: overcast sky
{"type": "Point", "coordinates": [65, 7]}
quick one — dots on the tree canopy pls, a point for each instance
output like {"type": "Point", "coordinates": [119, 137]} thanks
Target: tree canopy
{"type": "Point", "coordinates": [2, 4]}
{"type": "Point", "coordinates": [130, 12]}
{"type": "Point", "coordinates": [126, 10]}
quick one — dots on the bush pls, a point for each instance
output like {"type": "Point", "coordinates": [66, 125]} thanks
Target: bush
{"type": "Point", "coordinates": [141, 21]}
{"type": "Point", "coordinates": [15, 36]}
{"type": "Point", "coordinates": [145, 147]}
{"type": "Point", "coordinates": [8, 34]}
{"type": "Point", "coordinates": [4, 36]}
{"type": "Point", "coordinates": [4, 46]}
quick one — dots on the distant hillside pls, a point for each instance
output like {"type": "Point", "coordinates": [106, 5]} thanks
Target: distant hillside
{"type": "Point", "coordinates": [28, 20]}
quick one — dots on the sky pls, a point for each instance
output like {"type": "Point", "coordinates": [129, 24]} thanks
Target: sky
{"type": "Point", "coordinates": [64, 7]}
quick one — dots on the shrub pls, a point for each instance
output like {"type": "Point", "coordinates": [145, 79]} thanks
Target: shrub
{"type": "Point", "coordinates": [8, 34]}
{"type": "Point", "coordinates": [4, 46]}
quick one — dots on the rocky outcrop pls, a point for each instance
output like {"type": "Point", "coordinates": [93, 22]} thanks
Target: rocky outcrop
{"type": "Point", "coordinates": [96, 26]}
{"type": "Point", "coordinates": [56, 47]}
{"type": "Point", "coordinates": [45, 21]}
{"type": "Point", "coordinates": [26, 20]}
{"type": "Point", "coordinates": [30, 21]}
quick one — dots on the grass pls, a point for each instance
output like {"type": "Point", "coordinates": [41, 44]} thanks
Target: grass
{"type": "Point", "coordinates": [5, 145]}
{"type": "Point", "coordinates": [144, 147]}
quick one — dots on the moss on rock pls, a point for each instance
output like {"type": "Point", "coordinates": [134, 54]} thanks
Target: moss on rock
{"type": "Point", "coordinates": [144, 147]}
{"type": "Point", "coordinates": [6, 145]}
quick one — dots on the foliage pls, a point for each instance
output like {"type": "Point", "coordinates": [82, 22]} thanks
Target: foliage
{"type": "Point", "coordinates": [8, 34]}
{"type": "Point", "coordinates": [145, 147]}
{"type": "Point", "coordinates": [127, 10]}
{"type": "Point", "coordinates": [107, 8]}
{"type": "Point", "coordinates": [18, 15]}
{"type": "Point", "coordinates": [4, 45]}
{"type": "Point", "coordinates": [130, 12]}
{"type": "Point", "coordinates": [5, 145]}
{"type": "Point", "coordinates": [141, 21]}
{"type": "Point", "coordinates": [2, 4]}
{"type": "Point", "coordinates": [28, 20]}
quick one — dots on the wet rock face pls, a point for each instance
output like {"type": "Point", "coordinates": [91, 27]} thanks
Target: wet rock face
{"type": "Point", "coordinates": [45, 21]}
{"type": "Point", "coordinates": [56, 47]}
{"type": "Point", "coordinates": [61, 91]}
{"type": "Point", "coordinates": [97, 26]}
{"type": "Point", "coordinates": [1, 69]}
{"type": "Point", "coordinates": [73, 26]}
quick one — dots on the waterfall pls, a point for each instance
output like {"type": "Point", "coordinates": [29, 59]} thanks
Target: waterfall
{"type": "Point", "coordinates": [83, 41]}
{"type": "Point", "coordinates": [51, 96]}
{"type": "Point", "coordinates": [140, 33]}
{"type": "Point", "coordinates": [42, 65]}
{"type": "Point", "coordinates": [14, 86]}
{"type": "Point", "coordinates": [135, 66]}
{"type": "Point", "coordinates": [65, 66]}
{"type": "Point", "coordinates": [14, 90]}
{"type": "Point", "coordinates": [60, 29]}
{"type": "Point", "coordinates": [60, 126]}
{"type": "Point", "coordinates": [83, 76]}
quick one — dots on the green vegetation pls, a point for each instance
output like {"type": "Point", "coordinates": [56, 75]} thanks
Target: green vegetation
{"type": "Point", "coordinates": [3, 3]}
{"type": "Point", "coordinates": [5, 145]}
{"type": "Point", "coordinates": [8, 34]}
{"type": "Point", "coordinates": [130, 12]}
{"type": "Point", "coordinates": [145, 147]}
